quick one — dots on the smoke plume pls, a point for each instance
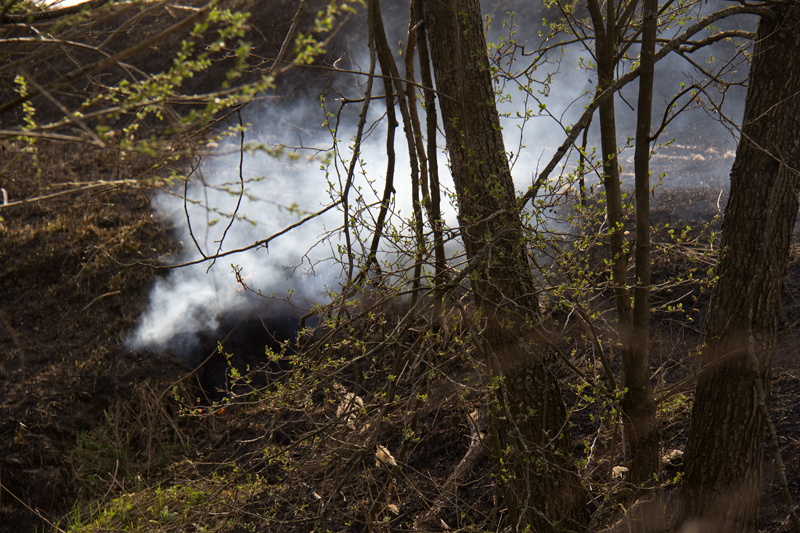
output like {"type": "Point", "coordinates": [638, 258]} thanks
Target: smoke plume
{"type": "Point", "coordinates": [288, 170]}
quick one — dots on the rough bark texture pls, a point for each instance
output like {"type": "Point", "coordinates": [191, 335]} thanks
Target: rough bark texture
{"type": "Point", "coordinates": [726, 436]}
{"type": "Point", "coordinates": [542, 491]}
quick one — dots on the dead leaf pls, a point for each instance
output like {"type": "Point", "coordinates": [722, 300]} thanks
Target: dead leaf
{"type": "Point", "coordinates": [384, 457]}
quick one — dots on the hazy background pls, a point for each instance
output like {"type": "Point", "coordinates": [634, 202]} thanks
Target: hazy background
{"type": "Point", "coordinates": [303, 265]}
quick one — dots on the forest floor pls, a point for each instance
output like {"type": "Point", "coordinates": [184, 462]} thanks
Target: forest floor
{"type": "Point", "coordinates": [84, 418]}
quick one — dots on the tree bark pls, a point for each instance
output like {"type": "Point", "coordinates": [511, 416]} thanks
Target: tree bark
{"type": "Point", "coordinates": [638, 404]}
{"type": "Point", "coordinates": [541, 488]}
{"type": "Point", "coordinates": [726, 436]}
{"type": "Point", "coordinates": [606, 40]}
{"type": "Point", "coordinates": [633, 314]}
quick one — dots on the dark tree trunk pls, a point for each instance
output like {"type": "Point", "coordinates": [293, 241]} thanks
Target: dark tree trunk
{"type": "Point", "coordinates": [633, 319]}
{"type": "Point", "coordinates": [638, 404]}
{"type": "Point", "coordinates": [639, 407]}
{"type": "Point", "coordinates": [726, 437]}
{"type": "Point", "coordinates": [606, 40]}
{"type": "Point", "coordinates": [543, 491]}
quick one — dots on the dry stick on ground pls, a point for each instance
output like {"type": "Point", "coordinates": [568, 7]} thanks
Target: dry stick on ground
{"type": "Point", "coordinates": [478, 428]}
{"type": "Point", "coordinates": [32, 510]}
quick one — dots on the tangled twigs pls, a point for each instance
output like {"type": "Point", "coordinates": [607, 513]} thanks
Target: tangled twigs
{"type": "Point", "coordinates": [478, 428]}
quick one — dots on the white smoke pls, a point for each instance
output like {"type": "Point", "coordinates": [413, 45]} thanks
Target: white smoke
{"type": "Point", "coordinates": [214, 215]}
{"type": "Point", "coordinates": [235, 199]}
{"type": "Point", "coordinates": [301, 266]}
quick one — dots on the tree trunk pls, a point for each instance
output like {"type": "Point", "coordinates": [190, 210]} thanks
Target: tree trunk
{"type": "Point", "coordinates": [542, 491]}
{"type": "Point", "coordinates": [633, 321]}
{"type": "Point", "coordinates": [605, 30]}
{"type": "Point", "coordinates": [726, 436]}
{"type": "Point", "coordinates": [638, 404]}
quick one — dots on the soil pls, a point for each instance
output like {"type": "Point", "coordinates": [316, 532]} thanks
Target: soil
{"type": "Point", "coordinates": [68, 303]}
{"type": "Point", "coordinates": [77, 268]}
{"type": "Point", "coordinates": [75, 274]}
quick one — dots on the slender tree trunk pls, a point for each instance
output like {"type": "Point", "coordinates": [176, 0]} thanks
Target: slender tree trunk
{"type": "Point", "coordinates": [605, 30]}
{"type": "Point", "coordinates": [633, 314]}
{"type": "Point", "coordinates": [638, 404]}
{"type": "Point", "coordinates": [542, 489]}
{"type": "Point", "coordinates": [433, 203]}
{"type": "Point", "coordinates": [726, 436]}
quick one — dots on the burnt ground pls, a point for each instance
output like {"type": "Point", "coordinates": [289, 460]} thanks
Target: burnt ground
{"type": "Point", "coordinates": [78, 405]}
{"type": "Point", "coordinates": [83, 418]}
{"type": "Point", "coordinates": [68, 301]}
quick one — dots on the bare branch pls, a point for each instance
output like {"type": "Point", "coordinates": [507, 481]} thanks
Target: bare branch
{"type": "Point", "coordinates": [111, 60]}
{"type": "Point", "coordinates": [585, 119]}
{"type": "Point", "coordinates": [51, 14]}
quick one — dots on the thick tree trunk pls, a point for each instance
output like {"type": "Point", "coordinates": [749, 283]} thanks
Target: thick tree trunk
{"type": "Point", "coordinates": [726, 437]}
{"type": "Point", "coordinates": [543, 490]}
